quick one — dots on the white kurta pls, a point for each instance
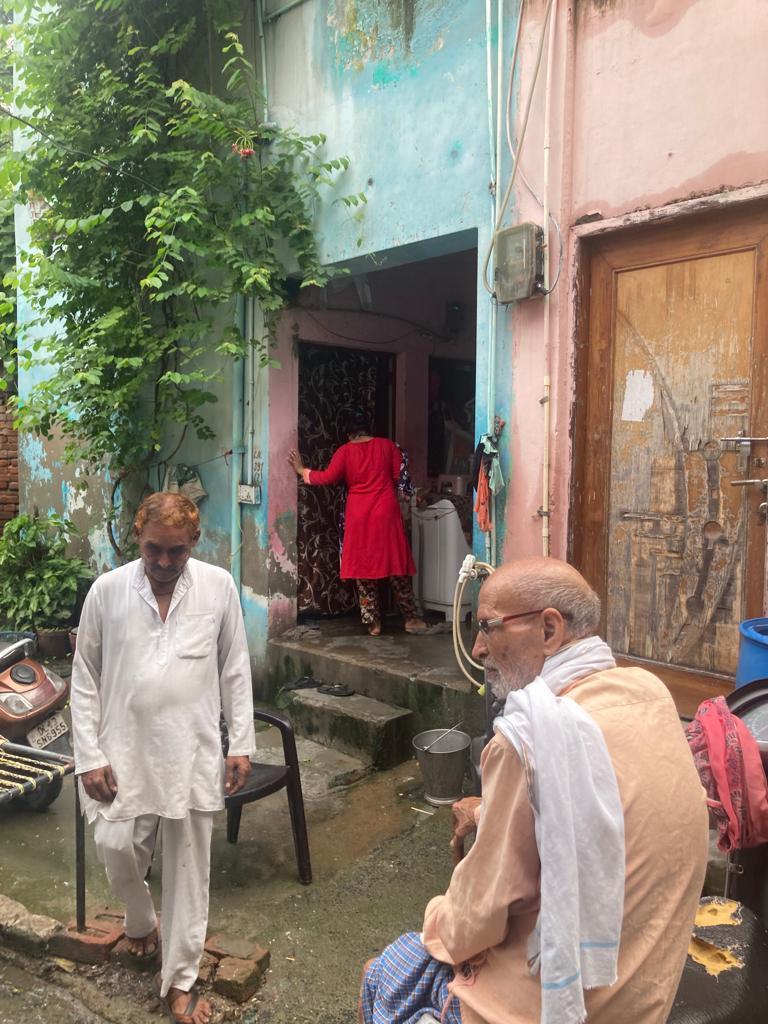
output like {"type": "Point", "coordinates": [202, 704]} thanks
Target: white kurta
{"type": "Point", "coordinates": [147, 694]}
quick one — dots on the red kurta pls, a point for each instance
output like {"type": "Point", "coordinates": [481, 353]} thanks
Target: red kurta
{"type": "Point", "coordinates": [375, 545]}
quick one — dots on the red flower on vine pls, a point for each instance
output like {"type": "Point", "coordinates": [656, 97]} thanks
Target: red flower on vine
{"type": "Point", "coordinates": [243, 151]}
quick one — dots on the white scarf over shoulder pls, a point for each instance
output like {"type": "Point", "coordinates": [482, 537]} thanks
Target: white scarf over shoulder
{"type": "Point", "coordinates": [579, 832]}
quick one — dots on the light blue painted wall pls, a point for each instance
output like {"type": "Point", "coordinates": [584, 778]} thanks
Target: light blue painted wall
{"type": "Point", "coordinates": [400, 87]}
{"type": "Point", "coordinates": [409, 110]}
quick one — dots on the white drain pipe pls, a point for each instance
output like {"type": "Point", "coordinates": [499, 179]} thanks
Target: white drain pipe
{"type": "Point", "coordinates": [545, 510]}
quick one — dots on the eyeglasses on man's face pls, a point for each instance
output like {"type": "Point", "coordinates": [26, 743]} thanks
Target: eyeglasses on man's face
{"type": "Point", "coordinates": [486, 625]}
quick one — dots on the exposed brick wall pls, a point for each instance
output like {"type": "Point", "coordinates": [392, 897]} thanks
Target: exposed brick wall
{"type": "Point", "coordinates": [9, 467]}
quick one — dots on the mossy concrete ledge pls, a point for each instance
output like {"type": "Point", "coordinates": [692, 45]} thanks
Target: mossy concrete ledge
{"type": "Point", "coordinates": [356, 725]}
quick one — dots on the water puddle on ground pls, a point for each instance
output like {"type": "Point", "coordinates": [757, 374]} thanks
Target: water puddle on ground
{"type": "Point", "coordinates": [343, 825]}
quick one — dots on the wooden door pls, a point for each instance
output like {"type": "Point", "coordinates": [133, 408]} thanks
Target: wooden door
{"type": "Point", "coordinates": [672, 360]}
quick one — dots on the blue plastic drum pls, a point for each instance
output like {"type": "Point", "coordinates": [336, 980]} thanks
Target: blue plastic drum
{"type": "Point", "coordinates": [753, 651]}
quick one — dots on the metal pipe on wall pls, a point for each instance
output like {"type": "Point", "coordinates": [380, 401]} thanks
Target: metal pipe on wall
{"type": "Point", "coordinates": [250, 392]}
{"type": "Point", "coordinates": [494, 182]}
{"type": "Point", "coordinates": [494, 138]}
{"type": "Point", "coordinates": [259, 9]}
{"type": "Point", "coordinates": [498, 166]}
{"type": "Point", "coordinates": [238, 449]}
{"type": "Point", "coordinates": [546, 510]}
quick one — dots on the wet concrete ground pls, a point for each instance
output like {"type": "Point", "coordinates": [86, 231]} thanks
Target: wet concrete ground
{"type": "Point", "coordinates": [24, 997]}
{"type": "Point", "coordinates": [378, 853]}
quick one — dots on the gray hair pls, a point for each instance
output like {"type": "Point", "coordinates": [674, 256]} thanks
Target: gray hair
{"type": "Point", "coordinates": [575, 600]}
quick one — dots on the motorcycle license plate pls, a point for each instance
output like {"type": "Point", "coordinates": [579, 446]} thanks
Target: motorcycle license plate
{"type": "Point", "coordinates": [44, 734]}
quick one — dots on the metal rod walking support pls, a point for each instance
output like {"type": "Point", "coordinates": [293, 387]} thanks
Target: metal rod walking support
{"type": "Point", "coordinates": [79, 862]}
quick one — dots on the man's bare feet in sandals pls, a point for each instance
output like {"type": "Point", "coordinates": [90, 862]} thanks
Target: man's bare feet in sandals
{"type": "Point", "coordinates": [188, 1007]}
{"type": "Point", "coordinates": [145, 947]}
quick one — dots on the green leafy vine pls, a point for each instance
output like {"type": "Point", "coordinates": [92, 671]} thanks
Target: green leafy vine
{"type": "Point", "coordinates": [159, 195]}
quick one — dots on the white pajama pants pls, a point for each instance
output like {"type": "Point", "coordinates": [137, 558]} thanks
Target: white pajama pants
{"type": "Point", "coordinates": [125, 849]}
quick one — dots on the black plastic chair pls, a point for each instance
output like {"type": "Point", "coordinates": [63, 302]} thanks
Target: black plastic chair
{"type": "Point", "coordinates": [269, 778]}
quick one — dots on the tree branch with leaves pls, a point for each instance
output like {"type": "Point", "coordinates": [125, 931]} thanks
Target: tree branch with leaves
{"type": "Point", "coordinates": [158, 204]}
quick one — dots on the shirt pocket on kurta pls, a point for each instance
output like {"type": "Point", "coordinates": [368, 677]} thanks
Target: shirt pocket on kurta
{"type": "Point", "coordinates": [195, 635]}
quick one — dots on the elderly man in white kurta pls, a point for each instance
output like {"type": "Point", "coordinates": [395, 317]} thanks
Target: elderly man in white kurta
{"type": "Point", "coordinates": [161, 653]}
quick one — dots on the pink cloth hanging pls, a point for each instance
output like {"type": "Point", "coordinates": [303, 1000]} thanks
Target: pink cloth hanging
{"type": "Point", "coordinates": [728, 761]}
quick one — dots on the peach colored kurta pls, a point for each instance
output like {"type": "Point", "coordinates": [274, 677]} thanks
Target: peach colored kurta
{"type": "Point", "coordinates": [492, 902]}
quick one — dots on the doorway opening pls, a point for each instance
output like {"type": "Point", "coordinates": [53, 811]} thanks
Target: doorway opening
{"type": "Point", "coordinates": [399, 343]}
{"type": "Point", "coordinates": [331, 381]}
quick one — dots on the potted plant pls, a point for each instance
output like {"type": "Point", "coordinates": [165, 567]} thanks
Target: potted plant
{"type": "Point", "coordinates": [38, 581]}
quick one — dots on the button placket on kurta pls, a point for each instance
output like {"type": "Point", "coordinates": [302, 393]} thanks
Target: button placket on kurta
{"type": "Point", "coordinates": [144, 589]}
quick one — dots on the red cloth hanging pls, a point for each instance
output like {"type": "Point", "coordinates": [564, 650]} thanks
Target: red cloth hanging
{"type": "Point", "coordinates": [483, 501]}
{"type": "Point", "coordinates": [730, 768]}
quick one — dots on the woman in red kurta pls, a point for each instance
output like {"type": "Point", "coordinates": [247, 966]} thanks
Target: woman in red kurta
{"type": "Point", "coordinates": [375, 546]}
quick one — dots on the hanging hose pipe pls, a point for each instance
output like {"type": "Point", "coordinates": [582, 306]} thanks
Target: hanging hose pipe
{"type": "Point", "coordinates": [470, 570]}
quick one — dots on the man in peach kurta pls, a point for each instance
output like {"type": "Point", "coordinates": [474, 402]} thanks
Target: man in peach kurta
{"type": "Point", "coordinates": [537, 614]}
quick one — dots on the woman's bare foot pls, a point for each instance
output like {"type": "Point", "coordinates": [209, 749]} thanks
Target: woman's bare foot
{"type": "Point", "coordinates": [374, 629]}
{"type": "Point", "coordinates": [188, 1007]}
{"type": "Point", "coordinates": [144, 947]}
{"type": "Point", "coordinates": [415, 625]}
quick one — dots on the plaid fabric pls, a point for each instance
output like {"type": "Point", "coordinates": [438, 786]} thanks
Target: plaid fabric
{"type": "Point", "coordinates": [404, 983]}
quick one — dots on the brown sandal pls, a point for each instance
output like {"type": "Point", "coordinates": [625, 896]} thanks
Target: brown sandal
{"type": "Point", "coordinates": [186, 1016]}
{"type": "Point", "coordinates": [151, 947]}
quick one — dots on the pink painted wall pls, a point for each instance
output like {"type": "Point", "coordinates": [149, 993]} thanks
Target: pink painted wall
{"type": "Point", "coordinates": [669, 101]}
{"type": "Point", "coordinates": [652, 102]}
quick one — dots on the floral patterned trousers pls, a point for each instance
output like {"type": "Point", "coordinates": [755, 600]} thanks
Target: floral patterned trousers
{"type": "Point", "coordinates": [368, 596]}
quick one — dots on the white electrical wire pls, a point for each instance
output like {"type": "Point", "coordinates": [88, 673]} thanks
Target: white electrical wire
{"type": "Point", "coordinates": [516, 162]}
{"type": "Point", "coordinates": [511, 148]}
{"type": "Point", "coordinates": [470, 570]}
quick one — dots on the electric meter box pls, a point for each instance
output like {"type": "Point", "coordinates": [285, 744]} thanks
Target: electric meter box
{"type": "Point", "coordinates": [519, 272]}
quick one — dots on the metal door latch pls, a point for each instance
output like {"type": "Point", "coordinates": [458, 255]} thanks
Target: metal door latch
{"type": "Point", "coordinates": [746, 483]}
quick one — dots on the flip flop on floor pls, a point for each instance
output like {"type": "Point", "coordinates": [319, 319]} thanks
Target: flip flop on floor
{"type": "Point", "coordinates": [305, 683]}
{"type": "Point", "coordinates": [335, 690]}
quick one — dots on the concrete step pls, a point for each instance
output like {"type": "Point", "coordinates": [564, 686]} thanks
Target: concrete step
{"type": "Point", "coordinates": [322, 768]}
{"type": "Point", "coordinates": [415, 673]}
{"type": "Point", "coordinates": [355, 725]}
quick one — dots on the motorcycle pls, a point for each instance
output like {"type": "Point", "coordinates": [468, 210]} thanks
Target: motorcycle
{"type": "Point", "coordinates": [32, 698]}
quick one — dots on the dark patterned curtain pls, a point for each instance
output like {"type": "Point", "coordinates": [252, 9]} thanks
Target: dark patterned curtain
{"type": "Point", "coordinates": [331, 382]}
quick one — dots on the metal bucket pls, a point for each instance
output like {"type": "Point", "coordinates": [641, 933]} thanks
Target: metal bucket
{"type": "Point", "coordinates": [443, 765]}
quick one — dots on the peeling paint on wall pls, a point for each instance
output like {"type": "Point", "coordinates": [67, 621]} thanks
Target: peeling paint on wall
{"type": "Point", "coordinates": [389, 33]}
{"type": "Point", "coordinates": [103, 556]}
{"type": "Point", "coordinates": [401, 16]}
{"type": "Point", "coordinates": [33, 455]}
{"type": "Point", "coordinates": [282, 556]}
{"type": "Point", "coordinates": [256, 615]}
